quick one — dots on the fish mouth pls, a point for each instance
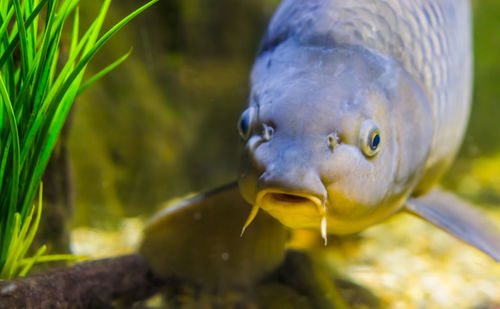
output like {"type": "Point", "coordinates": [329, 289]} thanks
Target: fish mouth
{"type": "Point", "coordinates": [292, 209]}
{"type": "Point", "coordinates": [275, 200]}
{"type": "Point", "coordinates": [288, 198]}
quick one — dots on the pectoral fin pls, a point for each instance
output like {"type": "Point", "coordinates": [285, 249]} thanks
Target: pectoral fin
{"type": "Point", "coordinates": [197, 239]}
{"type": "Point", "coordinates": [458, 218]}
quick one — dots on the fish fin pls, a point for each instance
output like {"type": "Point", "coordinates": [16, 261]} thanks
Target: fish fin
{"type": "Point", "coordinates": [198, 239]}
{"type": "Point", "coordinates": [459, 218]}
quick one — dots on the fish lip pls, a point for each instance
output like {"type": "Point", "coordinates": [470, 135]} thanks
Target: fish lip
{"type": "Point", "coordinates": [292, 209]}
{"type": "Point", "coordinates": [283, 198]}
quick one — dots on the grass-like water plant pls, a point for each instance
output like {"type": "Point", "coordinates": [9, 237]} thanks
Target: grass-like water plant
{"type": "Point", "coordinates": [38, 84]}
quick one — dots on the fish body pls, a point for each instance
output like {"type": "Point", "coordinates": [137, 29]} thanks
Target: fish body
{"type": "Point", "coordinates": [335, 68]}
{"type": "Point", "coordinates": [356, 110]}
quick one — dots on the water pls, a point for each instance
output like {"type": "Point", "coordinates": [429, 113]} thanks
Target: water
{"type": "Point", "coordinates": [165, 124]}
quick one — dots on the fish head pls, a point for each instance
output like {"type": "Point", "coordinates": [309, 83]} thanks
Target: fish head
{"type": "Point", "coordinates": [321, 139]}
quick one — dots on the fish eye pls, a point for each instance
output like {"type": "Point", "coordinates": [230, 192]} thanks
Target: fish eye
{"type": "Point", "coordinates": [370, 138]}
{"type": "Point", "coordinates": [245, 123]}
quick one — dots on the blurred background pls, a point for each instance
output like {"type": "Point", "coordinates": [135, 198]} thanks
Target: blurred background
{"type": "Point", "coordinates": [164, 123]}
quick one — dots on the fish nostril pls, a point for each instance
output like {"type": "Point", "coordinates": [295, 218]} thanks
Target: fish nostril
{"type": "Point", "coordinates": [267, 132]}
{"type": "Point", "coordinates": [333, 140]}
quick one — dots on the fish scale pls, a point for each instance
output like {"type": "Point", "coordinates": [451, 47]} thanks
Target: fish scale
{"type": "Point", "coordinates": [431, 40]}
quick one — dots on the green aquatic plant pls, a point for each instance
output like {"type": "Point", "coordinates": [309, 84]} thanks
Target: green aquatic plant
{"type": "Point", "coordinates": [39, 81]}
